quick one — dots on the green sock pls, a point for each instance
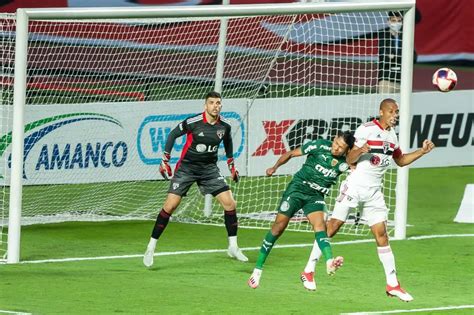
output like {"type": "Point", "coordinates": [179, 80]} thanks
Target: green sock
{"type": "Point", "coordinates": [323, 242]}
{"type": "Point", "coordinates": [267, 245]}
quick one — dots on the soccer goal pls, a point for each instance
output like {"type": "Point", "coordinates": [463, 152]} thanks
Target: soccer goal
{"type": "Point", "coordinates": [89, 96]}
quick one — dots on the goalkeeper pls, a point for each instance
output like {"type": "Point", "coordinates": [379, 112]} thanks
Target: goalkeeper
{"type": "Point", "coordinates": [204, 132]}
{"type": "Point", "coordinates": [325, 162]}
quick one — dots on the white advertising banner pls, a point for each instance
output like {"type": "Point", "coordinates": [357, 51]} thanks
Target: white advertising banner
{"type": "Point", "coordinates": [280, 125]}
{"type": "Point", "coordinates": [121, 142]}
{"type": "Point", "coordinates": [109, 142]}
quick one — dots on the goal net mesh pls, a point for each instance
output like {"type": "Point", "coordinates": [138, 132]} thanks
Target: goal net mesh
{"type": "Point", "coordinates": [102, 95]}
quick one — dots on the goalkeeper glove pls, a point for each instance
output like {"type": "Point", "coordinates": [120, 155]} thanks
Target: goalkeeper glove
{"type": "Point", "coordinates": [234, 174]}
{"type": "Point", "coordinates": [165, 168]}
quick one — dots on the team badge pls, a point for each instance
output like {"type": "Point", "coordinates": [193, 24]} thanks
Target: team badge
{"type": "Point", "coordinates": [375, 160]}
{"type": "Point", "coordinates": [343, 167]}
{"type": "Point", "coordinates": [334, 162]}
{"type": "Point", "coordinates": [386, 147]}
{"type": "Point", "coordinates": [175, 186]}
{"type": "Point", "coordinates": [284, 206]}
{"type": "Point", "coordinates": [220, 133]}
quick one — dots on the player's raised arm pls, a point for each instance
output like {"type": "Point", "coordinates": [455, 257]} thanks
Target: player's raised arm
{"type": "Point", "coordinates": [356, 152]}
{"type": "Point", "coordinates": [406, 159]}
{"type": "Point", "coordinates": [283, 159]}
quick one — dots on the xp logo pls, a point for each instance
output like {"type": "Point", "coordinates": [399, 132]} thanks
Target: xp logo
{"type": "Point", "coordinates": [53, 155]}
{"type": "Point", "coordinates": [154, 130]}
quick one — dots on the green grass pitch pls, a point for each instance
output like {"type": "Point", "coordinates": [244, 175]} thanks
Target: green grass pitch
{"type": "Point", "coordinates": [438, 272]}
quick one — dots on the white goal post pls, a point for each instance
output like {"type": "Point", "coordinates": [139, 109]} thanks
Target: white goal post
{"type": "Point", "coordinates": [282, 71]}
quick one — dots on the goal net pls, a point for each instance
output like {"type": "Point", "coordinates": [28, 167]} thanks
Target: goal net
{"type": "Point", "coordinates": [103, 94]}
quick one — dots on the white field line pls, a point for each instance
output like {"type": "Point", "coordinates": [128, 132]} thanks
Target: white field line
{"type": "Point", "coordinates": [11, 312]}
{"type": "Point", "coordinates": [208, 251]}
{"type": "Point", "coordinates": [444, 308]}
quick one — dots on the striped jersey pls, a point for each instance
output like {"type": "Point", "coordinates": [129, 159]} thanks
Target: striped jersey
{"type": "Point", "coordinates": [372, 166]}
{"type": "Point", "coordinates": [202, 140]}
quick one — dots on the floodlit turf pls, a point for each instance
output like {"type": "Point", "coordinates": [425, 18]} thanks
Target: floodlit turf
{"type": "Point", "coordinates": [438, 272]}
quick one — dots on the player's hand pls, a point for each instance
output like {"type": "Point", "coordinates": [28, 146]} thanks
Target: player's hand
{"type": "Point", "coordinates": [427, 146]}
{"type": "Point", "coordinates": [234, 174]}
{"type": "Point", "coordinates": [365, 148]}
{"type": "Point", "coordinates": [271, 171]}
{"type": "Point", "coordinates": [165, 168]}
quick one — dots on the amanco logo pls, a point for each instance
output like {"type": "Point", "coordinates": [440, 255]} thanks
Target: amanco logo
{"type": "Point", "coordinates": [154, 130]}
{"type": "Point", "coordinates": [55, 156]}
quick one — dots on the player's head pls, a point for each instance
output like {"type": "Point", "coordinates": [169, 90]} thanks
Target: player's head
{"type": "Point", "coordinates": [395, 21]}
{"type": "Point", "coordinates": [342, 142]}
{"type": "Point", "coordinates": [213, 104]}
{"type": "Point", "coordinates": [388, 113]}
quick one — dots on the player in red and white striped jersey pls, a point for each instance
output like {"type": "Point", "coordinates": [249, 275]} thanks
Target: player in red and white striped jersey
{"type": "Point", "coordinates": [375, 146]}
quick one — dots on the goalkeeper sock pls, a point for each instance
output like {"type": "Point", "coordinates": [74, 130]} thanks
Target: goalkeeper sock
{"type": "Point", "coordinates": [267, 245]}
{"type": "Point", "coordinates": [231, 222]}
{"type": "Point", "coordinates": [388, 261]}
{"type": "Point", "coordinates": [313, 258]}
{"type": "Point", "coordinates": [160, 224]}
{"type": "Point", "coordinates": [323, 242]}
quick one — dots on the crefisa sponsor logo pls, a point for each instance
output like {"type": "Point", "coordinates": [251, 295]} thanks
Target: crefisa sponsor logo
{"type": "Point", "coordinates": [76, 151]}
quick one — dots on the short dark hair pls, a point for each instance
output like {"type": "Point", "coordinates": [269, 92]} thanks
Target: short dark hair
{"type": "Point", "coordinates": [213, 94]}
{"type": "Point", "coordinates": [348, 137]}
{"type": "Point", "coordinates": [387, 101]}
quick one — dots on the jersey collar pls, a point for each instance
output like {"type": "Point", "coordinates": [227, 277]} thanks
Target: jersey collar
{"type": "Point", "coordinates": [205, 120]}
{"type": "Point", "coordinates": [375, 121]}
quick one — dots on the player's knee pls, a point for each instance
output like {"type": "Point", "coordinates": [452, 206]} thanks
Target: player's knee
{"type": "Point", "coordinates": [171, 204]}
{"type": "Point", "coordinates": [333, 226]}
{"type": "Point", "coordinates": [229, 205]}
{"type": "Point", "coordinates": [278, 228]}
{"type": "Point", "coordinates": [169, 208]}
{"type": "Point", "coordinates": [380, 234]}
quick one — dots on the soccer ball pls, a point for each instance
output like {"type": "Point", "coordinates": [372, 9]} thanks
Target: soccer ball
{"type": "Point", "coordinates": [445, 79]}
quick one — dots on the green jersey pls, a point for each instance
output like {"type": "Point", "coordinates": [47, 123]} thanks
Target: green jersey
{"type": "Point", "coordinates": [320, 170]}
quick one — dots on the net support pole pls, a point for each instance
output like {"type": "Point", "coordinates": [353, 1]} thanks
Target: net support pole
{"type": "Point", "coordinates": [218, 85]}
{"type": "Point", "coordinates": [19, 97]}
{"type": "Point", "coordinates": [404, 134]}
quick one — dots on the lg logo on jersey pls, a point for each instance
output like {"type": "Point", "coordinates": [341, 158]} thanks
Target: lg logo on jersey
{"type": "Point", "coordinates": [204, 148]}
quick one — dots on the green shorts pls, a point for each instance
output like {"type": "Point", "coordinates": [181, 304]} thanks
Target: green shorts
{"type": "Point", "coordinates": [293, 200]}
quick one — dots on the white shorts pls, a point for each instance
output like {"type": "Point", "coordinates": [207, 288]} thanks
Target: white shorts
{"type": "Point", "coordinates": [374, 208]}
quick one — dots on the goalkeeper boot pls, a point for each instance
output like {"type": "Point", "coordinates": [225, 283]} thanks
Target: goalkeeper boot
{"type": "Point", "coordinates": [333, 264]}
{"type": "Point", "coordinates": [254, 279]}
{"type": "Point", "coordinates": [236, 253]}
{"type": "Point", "coordinates": [308, 281]}
{"type": "Point", "coordinates": [148, 257]}
{"type": "Point", "coordinates": [399, 293]}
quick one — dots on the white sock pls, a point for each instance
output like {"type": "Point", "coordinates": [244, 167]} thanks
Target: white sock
{"type": "Point", "coordinates": [233, 241]}
{"type": "Point", "coordinates": [152, 243]}
{"type": "Point", "coordinates": [388, 261]}
{"type": "Point", "coordinates": [313, 258]}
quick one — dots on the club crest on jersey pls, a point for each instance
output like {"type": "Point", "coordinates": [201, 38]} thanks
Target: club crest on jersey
{"type": "Point", "coordinates": [386, 147]}
{"type": "Point", "coordinates": [334, 162]}
{"type": "Point", "coordinates": [343, 167]}
{"type": "Point", "coordinates": [220, 133]}
{"type": "Point", "coordinates": [375, 160]}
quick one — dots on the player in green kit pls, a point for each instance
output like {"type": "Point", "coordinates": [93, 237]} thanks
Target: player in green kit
{"type": "Point", "coordinates": [324, 163]}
